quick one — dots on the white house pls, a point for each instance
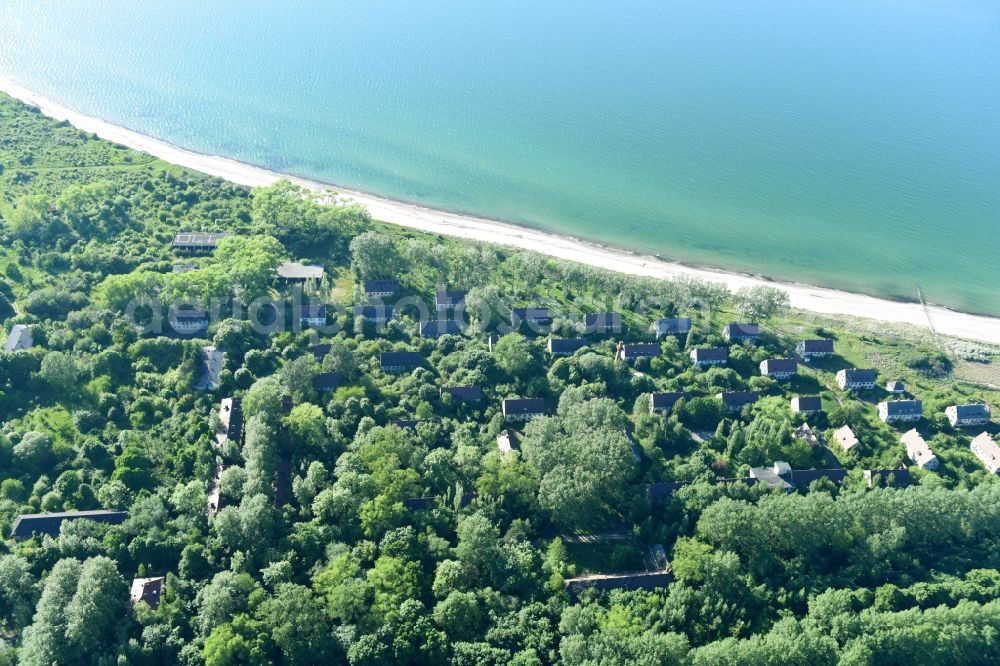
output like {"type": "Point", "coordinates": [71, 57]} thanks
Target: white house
{"type": "Point", "coordinates": [380, 288]}
{"type": "Point", "coordinates": [961, 416]}
{"type": "Point", "coordinates": [918, 451]}
{"type": "Point", "coordinates": [740, 332]}
{"type": "Point", "coordinates": [19, 338]}
{"type": "Point", "coordinates": [187, 322]}
{"type": "Point", "coordinates": [895, 411]}
{"type": "Point", "coordinates": [846, 438]}
{"type": "Point", "coordinates": [710, 356]}
{"type": "Point", "coordinates": [895, 387]}
{"type": "Point", "coordinates": [523, 409]}
{"type": "Point", "coordinates": [678, 326]}
{"type": "Point", "coordinates": [292, 271]}
{"type": "Point", "coordinates": [855, 378]}
{"type": "Point", "coordinates": [779, 368]}
{"type": "Point", "coordinates": [987, 451]}
{"type": "Point", "coordinates": [807, 349]}
{"type": "Point", "coordinates": [633, 352]}
{"type": "Point", "coordinates": [313, 315]}
{"type": "Point", "coordinates": [447, 299]}
{"type": "Point", "coordinates": [664, 402]}
{"type": "Point", "coordinates": [807, 404]}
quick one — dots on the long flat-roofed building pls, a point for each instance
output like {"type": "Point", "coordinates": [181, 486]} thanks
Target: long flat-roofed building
{"type": "Point", "coordinates": [291, 271]}
{"type": "Point", "coordinates": [49, 523]}
{"type": "Point", "coordinates": [197, 241]}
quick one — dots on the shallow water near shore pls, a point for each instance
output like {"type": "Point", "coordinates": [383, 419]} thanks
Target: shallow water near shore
{"type": "Point", "coordinates": [853, 145]}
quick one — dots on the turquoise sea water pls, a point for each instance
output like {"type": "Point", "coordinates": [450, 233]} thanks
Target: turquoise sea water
{"type": "Point", "coordinates": [854, 144]}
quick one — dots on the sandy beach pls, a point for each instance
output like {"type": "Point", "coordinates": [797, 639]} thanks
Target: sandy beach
{"type": "Point", "coordinates": [815, 299]}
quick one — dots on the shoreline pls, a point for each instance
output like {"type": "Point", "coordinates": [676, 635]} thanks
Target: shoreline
{"type": "Point", "coordinates": [820, 300]}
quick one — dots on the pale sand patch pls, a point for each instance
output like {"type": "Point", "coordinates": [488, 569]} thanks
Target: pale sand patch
{"type": "Point", "coordinates": [815, 299]}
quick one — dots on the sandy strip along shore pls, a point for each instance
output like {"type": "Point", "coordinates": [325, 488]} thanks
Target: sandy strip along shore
{"type": "Point", "coordinates": [816, 299]}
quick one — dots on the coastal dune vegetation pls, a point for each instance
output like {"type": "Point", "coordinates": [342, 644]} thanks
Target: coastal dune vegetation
{"type": "Point", "coordinates": [361, 514]}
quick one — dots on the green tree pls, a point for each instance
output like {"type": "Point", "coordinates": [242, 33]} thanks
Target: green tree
{"type": "Point", "coordinates": [761, 302]}
{"type": "Point", "coordinates": [374, 255]}
{"type": "Point", "coordinates": [18, 591]}
{"type": "Point", "coordinates": [45, 641]}
{"type": "Point", "coordinates": [96, 609]}
{"type": "Point", "coordinates": [60, 371]}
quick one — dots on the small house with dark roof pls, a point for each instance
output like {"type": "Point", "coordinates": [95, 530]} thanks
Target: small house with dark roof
{"type": "Point", "coordinates": [19, 338]}
{"type": "Point", "coordinates": [381, 288]}
{"type": "Point", "coordinates": [896, 411]}
{"type": "Point", "coordinates": [802, 478]}
{"type": "Point", "coordinates": [446, 299]}
{"type": "Point", "coordinates": [779, 368]}
{"type": "Point", "coordinates": [807, 349]}
{"type": "Point", "coordinates": [565, 346]}
{"type": "Point", "coordinates": [187, 321]}
{"type": "Point", "coordinates": [895, 387]}
{"type": "Point", "coordinates": [598, 323]}
{"type": "Point", "coordinates": [406, 424]}
{"type": "Point", "coordinates": [735, 401]}
{"type": "Point", "coordinates": [676, 326]}
{"type": "Point", "coordinates": [887, 478]}
{"type": "Point", "coordinates": [399, 361]}
{"type": "Point", "coordinates": [313, 315]}
{"type": "Point", "coordinates": [325, 382]}
{"type": "Point", "coordinates": [294, 272]}
{"type": "Point", "coordinates": [378, 314]}
{"type": "Point", "coordinates": [636, 351]}
{"type": "Point", "coordinates": [807, 404]}
{"type": "Point", "coordinates": [963, 416]}
{"type": "Point", "coordinates": [523, 409]}
{"type": "Point", "coordinates": [436, 328]}
{"type": "Point", "coordinates": [231, 418]}
{"type": "Point", "coordinates": [464, 393]}
{"type": "Point", "coordinates": [709, 356]}
{"type": "Point", "coordinates": [918, 451]}
{"type": "Point", "coordinates": [741, 332]}
{"type": "Point", "coordinates": [664, 402]}
{"type": "Point", "coordinates": [320, 351]}
{"type": "Point", "coordinates": [421, 503]}
{"type": "Point", "coordinates": [197, 242]}
{"type": "Point", "coordinates": [782, 477]}
{"type": "Point", "coordinates": [29, 524]}
{"type": "Point", "coordinates": [987, 451]}
{"type": "Point", "coordinates": [147, 590]}
{"type": "Point", "coordinates": [857, 378]}
{"type": "Point", "coordinates": [530, 316]}
{"type": "Point", "coordinates": [662, 491]}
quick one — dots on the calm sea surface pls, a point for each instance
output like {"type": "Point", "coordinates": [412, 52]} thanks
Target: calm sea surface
{"type": "Point", "coordinates": [853, 144]}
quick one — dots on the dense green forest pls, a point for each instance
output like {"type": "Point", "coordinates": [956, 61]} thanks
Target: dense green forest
{"type": "Point", "coordinates": [380, 522]}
